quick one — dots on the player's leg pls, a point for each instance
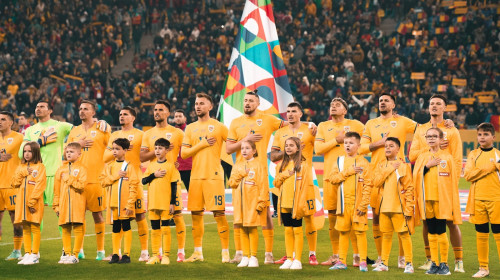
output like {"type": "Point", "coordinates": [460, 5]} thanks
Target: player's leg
{"type": "Point", "coordinates": [180, 230]}
{"type": "Point", "coordinates": [407, 245]}
{"type": "Point", "coordinates": [362, 242]}
{"type": "Point", "coordinates": [237, 234]}
{"type": "Point", "coordinates": [425, 235]}
{"type": "Point", "coordinates": [78, 231]}
{"type": "Point", "coordinates": [387, 230]}
{"type": "Point", "coordinates": [355, 249]}
{"type": "Point", "coordinates": [401, 255]}
{"type": "Point", "coordinates": [214, 197]}
{"type": "Point", "coordinates": [245, 245]}
{"type": "Point", "coordinates": [143, 231]}
{"type": "Point", "coordinates": [268, 233]}
{"type": "Point", "coordinates": [166, 238]}
{"type": "Point", "coordinates": [66, 240]}
{"type": "Point", "coordinates": [223, 230]}
{"type": "Point", "coordinates": [482, 246]}
{"type": "Point", "coordinates": [253, 235]}
{"type": "Point", "coordinates": [443, 246]}
{"type": "Point", "coordinates": [312, 238]}
{"type": "Point", "coordinates": [343, 226]}
{"type": "Point", "coordinates": [456, 243]}
{"type": "Point", "coordinates": [116, 235]}
{"type": "Point", "coordinates": [48, 194]}
{"type": "Point", "coordinates": [95, 203]}
{"type": "Point", "coordinates": [26, 241]}
{"type": "Point", "coordinates": [99, 232]}
{"type": "Point", "coordinates": [154, 217]}
{"type": "Point", "coordinates": [334, 238]}
{"type": "Point", "coordinates": [298, 238]}
{"type": "Point", "coordinates": [377, 236]}
{"type": "Point", "coordinates": [286, 218]}
{"type": "Point", "coordinates": [18, 238]}
{"type": "Point", "coordinates": [35, 247]}
{"type": "Point", "coordinates": [127, 237]}
{"type": "Point", "coordinates": [196, 205]}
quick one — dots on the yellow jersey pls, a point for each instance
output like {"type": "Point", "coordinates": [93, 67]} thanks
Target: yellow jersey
{"type": "Point", "coordinates": [132, 156]}
{"type": "Point", "coordinates": [303, 133]}
{"type": "Point", "coordinates": [172, 134]}
{"type": "Point", "coordinates": [375, 129]}
{"type": "Point", "coordinates": [486, 187]}
{"type": "Point", "coordinates": [92, 157]}
{"type": "Point", "coordinates": [122, 191]}
{"type": "Point", "coordinates": [206, 158]}
{"type": "Point", "coordinates": [9, 144]}
{"type": "Point", "coordinates": [159, 191]}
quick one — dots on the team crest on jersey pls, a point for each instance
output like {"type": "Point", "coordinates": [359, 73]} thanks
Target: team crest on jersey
{"type": "Point", "coordinates": [131, 137]}
{"type": "Point", "coordinates": [259, 122]}
{"type": "Point", "coordinates": [251, 174]}
{"type": "Point", "coordinates": [445, 135]}
{"type": "Point", "coordinates": [443, 164]}
{"type": "Point", "coordinates": [75, 172]}
{"type": "Point", "coordinates": [211, 128]}
{"type": "Point", "coordinates": [34, 173]}
{"type": "Point", "coordinates": [93, 133]}
{"type": "Point", "coordinates": [492, 160]}
{"type": "Point", "coordinates": [347, 128]}
{"type": "Point", "coordinates": [394, 124]}
{"type": "Point", "coordinates": [300, 134]}
{"type": "Point", "coordinates": [10, 140]}
{"type": "Point", "coordinates": [168, 136]}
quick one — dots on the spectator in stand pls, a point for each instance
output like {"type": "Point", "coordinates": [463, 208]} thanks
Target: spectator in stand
{"type": "Point", "coordinates": [185, 165]}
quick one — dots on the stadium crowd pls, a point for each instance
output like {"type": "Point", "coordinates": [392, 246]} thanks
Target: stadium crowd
{"type": "Point", "coordinates": [330, 49]}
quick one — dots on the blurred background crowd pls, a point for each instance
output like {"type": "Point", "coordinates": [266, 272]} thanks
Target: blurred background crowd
{"type": "Point", "coordinates": [68, 50]}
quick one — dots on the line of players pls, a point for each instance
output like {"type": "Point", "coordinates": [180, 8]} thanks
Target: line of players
{"type": "Point", "coordinates": [203, 141]}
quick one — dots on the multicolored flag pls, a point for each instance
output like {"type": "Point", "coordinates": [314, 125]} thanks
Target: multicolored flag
{"type": "Point", "coordinates": [256, 63]}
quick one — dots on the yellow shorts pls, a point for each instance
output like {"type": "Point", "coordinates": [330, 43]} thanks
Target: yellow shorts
{"type": "Point", "coordinates": [123, 215]}
{"type": "Point", "coordinates": [8, 199]}
{"type": "Point", "coordinates": [486, 211]}
{"type": "Point", "coordinates": [390, 222]}
{"type": "Point", "coordinates": [178, 199]}
{"type": "Point", "coordinates": [329, 196]}
{"type": "Point", "coordinates": [345, 221]}
{"type": "Point", "coordinates": [94, 196]}
{"type": "Point", "coordinates": [160, 214]}
{"type": "Point", "coordinates": [206, 195]}
{"type": "Point", "coordinates": [432, 209]}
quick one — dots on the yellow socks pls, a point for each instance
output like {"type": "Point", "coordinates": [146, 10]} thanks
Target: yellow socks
{"type": "Point", "coordinates": [223, 229]}
{"type": "Point", "coordinates": [84, 228]}
{"type": "Point", "coordinates": [180, 229]}
{"type": "Point", "coordinates": [386, 246]}
{"type": "Point", "coordinates": [433, 247]}
{"type": "Point", "coordinates": [78, 230]}
{"type": "Point", "coordinates": [18, 242]}
{"type": "Point", "coordinates": [245, 241]}
{"type": "Point", "coordinates": [400, 245]}
{"type": "Point", "coordinates": [167, 240]}
{"type": "Point", "coordinates": [142, 230]}
{"type": "Point", "coordinates": [427, 252]}
{"type": "Point", "coordinates": [344, 245]}
{"type": "Point", "coordinates": [268, 239]}
{"type": "Point", "coordinates": [198, 230]}
{"type": "Point", "coordinates": [443, 247]}
{"type": "Point", "coordinates": [298, 242]}
{"type": "Point", "coordinates": [37, 237]}
{"type": "Point", "coordinates": [407, 246]}
{"type": "Point", "coordinates": [362, 245]}
{"type": "Point", "coordinates": [127, 244]}
{"type": "Point", "coordinates": [377, 238]}
{"type": "Point", "coordinates": [66, 238]}
{"type": "Point", "coordinates": [237, 238]}
{"type": "Point", "coordinates": [99, 234]}
{"type": "Point", "coordinates": [116, 239]}
{"type": "Point", "coordinates": [155, 241]}
{"type": "Point", "coordinates": [289, 242]}
{"type": "Point", "coordinates": [311, 233]}
{"type": "Point", "coordinates": [254, 240]}
{"type": "Point", "coordinates": [354, 242]}
{"type": "Point", "coordinates": [458, 252]}
{"type": "Point", "coordinates": [334, 234]}
{"type": "Point", "coordinates": [483, 248]}
{"type": "Point", "coordinates": [27, 237]}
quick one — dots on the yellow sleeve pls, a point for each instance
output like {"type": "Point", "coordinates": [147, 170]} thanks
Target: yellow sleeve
{"type": "Point", "coordinates": [263, 189]}
{"type": "Point", "coordinates": [411, 126]}
{"type": "Point", "coordinates": [336, 176]}
{"type": "Point", "coordinates": [57, 188]}
{"type": "Point", "coordinates": [231, 135]}
{"type": "Point", "coordinates": [19, 175]}
{"type": "Point", "coordinates": [108, 154]}
{"type": "Point", "coordinates": [277, 141]}
{"type": "Point", "coordinates": [407, 183]}
{"type": "Point", "coordinates": [474, 173]}
{"type": "Point", "coordinates": [133, 182]}
{"type": "Point", "coordinates": [106, 178]}
{"type": "Point", "coordinates": [224, 132]}
{"type": "Point", "coordinates": [380, 174]}
{"type": "Point", "coordinates": [40, 184]}
{"type": "Point", "coordinates": [366, 192]}
{"type": "Point", "coordinates": [188, 151]}
{"type": "Point", "coordinates": [456, 150]}
{"type": "Point", "coordinates": [418, 146]}
{"type": "Point", "coordinates": [77, 182]}
{"type": "Point", "coordinates": [237, 174]}
{"type": "Point", "coordinates": [274, 123]}
{"type": "Point", "coordinates": [280, 177]}
{"type": "Point", "coordinates": [366, 140]}
{"type": "Point", "coordinates": [145, 142]}
{"type": "Point", "coordinates": [321, 146]}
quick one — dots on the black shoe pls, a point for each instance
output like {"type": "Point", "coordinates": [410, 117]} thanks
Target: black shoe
{"type": "Point", "coordinates": [275, 215]}
{"type": "Point", "coordinates": [369, 261]}
{"type": "Point", "coordinates": [114, 259]}
{"type": "Point", "coordinates": [171, 222]}
{"type": "Point", "coordinates": [125, 259]}
{"type": "Point", "coordinates": [443, 269]}
{"type": "Point", "coordinates": [433, 270]}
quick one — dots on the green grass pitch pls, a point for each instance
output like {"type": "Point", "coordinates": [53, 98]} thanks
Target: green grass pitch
{"type": "Point", "coordinates": [212, 268]}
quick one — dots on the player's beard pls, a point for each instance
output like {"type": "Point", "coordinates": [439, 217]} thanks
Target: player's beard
{"type": "Point", "coordinates": [159, 120]}
{"type": "Point", "coordinates": [201, 114]}
{"type": "Point", "coordinates": [385, 112]}
{"type": "Point", "coordinates": [248, 111]}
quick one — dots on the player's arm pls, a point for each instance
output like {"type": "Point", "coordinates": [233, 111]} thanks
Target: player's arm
{"type": "Point", "coordinates": [146, 154]}
{"type": "Point", "coordinates": [407, 183]}
{"type": "Point", "coordinates": [132, 186]}
{"type": "Point", "coordinates": [322, 145]}
{"type": "Point", "coordinates": [474, 173]}
{"type": "Point", "coordinates": [237, 174]}
{"type": "Point", "coordinates": [40, 184]}
{"type": "Point", "coordinates": [380, 174]}
{"type": "Point", "coordinates": [276, 153]}
{"type": "Point", "coordinates": [456, 150]}
{"type": "Point", "coordinates": [281, 177]}
{"type": "Point", "coordinates": [263, 200]}
{"type": "Point", "coordinates": [77, 182]}
{"type": "Point", "coordinates": [106, 178]}
{"type": "Point", "coordinates": [336, 176]}
{"type": "Point", "coordinates": [19, 175]}
{"type": "Point", "coordinates": [57, 190]}
{"type": "Point", "coordinates": [108, 152]}
{"type": "Point", "coordinates": [366, 191]}
{"type": "Point", "coordinates": [417, 147]}
{"type": "Point", "coordinates": [366, 141]}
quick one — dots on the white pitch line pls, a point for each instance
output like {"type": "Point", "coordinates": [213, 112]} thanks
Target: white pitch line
{"type": "Point", "coordinates": [86, 235]}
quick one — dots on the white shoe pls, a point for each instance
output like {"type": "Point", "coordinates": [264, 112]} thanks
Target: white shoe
{"type": "Point", "coordinates": [409, 268]}
{"type": "Point", "coordinates": [401, 262]}
{"type": "Point", "coordinates": [244, 262]}
{"type": "Point", "coordinates": [286, 265]}
{"type": "Point", "coordinates": [24, 258]}
{"type": "Point", "coordinates": [377, 262]}
{"type": "Point", "coordinates": [254, 262]}
{"type": "Point", "coordinates": [268, 258]}
{"type": "Point", "coordinates": [63, 259]}
{"type": "Point", "coordinates": [144, 257]}
{"type": "Point", "coordinates": [33, 259]}
{"type": "Point", "coordinates": [71, 260]}
{"type": "Point", "coordinates": [296, 264]}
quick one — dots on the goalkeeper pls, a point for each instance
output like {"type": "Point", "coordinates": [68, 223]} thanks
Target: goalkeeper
{"type": "Point", "coordinates": [50, 134]}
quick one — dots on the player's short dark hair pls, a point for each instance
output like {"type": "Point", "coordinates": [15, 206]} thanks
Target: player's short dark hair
{"type": "Point", "coordinates": [440, 96]}
{"type": "Point", "coordinates": [49, 105]}
{"type": "Point", "coordinates": [342, 101]}
{"type": "Point", "coordinates": [295, 104]}
{"type": "Point", "coordinates": [486, 127]}
{"type": "Point", "coordinates": [352, 134]}
{"type": "Point", "coordinates": [74, 145]}
{"type": "Point", "coordinates": [253, 93]}
{"type": "Point", "coordinates": [131, 110]}
{"type": "Point", "coordinates": [162, 142]}
{"type": "Point", "coordinates": [390, 95]}
{"type": "Point", "coordinates": [163, 102]}
{"type": "Point", "coordinates": [180, 111]}
{"type": "Point", "coordinates": [395, 140]}
{"type": "Point", "coordinates": [122, 142]}
{"type": "Point", "coordinates": [206, 96]}
{"type": "Point", "coordinates": [92, 103]}
{"type": "Point", "coordinates": [9, 114]}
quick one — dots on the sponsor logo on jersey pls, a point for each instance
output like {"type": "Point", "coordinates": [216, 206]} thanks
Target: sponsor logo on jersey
{"type": "Point", "coordinates": [168, 136]}
{"type": "Point", "coordinates": [10, 140]}
{"type": "Point", "coordinates": [393, 124]}
{"type": "Point", "coordinates": [259, 122]}
{"type": "Point", "coordinates": [31, 182]}
{"type": "Point", "coordinates": [443, 164]}
{"type": "Point", "coordinates": [93, 133]}
{"type": "Point", "coordinates": [444, 174]}
{"type": "Point", "coordinates": [211, 128]}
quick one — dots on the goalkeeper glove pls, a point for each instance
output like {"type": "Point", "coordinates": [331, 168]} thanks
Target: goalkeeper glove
{"type": "Point", "coordinates": [47, 137]}
{"type": "Point", "coordinates": [103, 126]}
